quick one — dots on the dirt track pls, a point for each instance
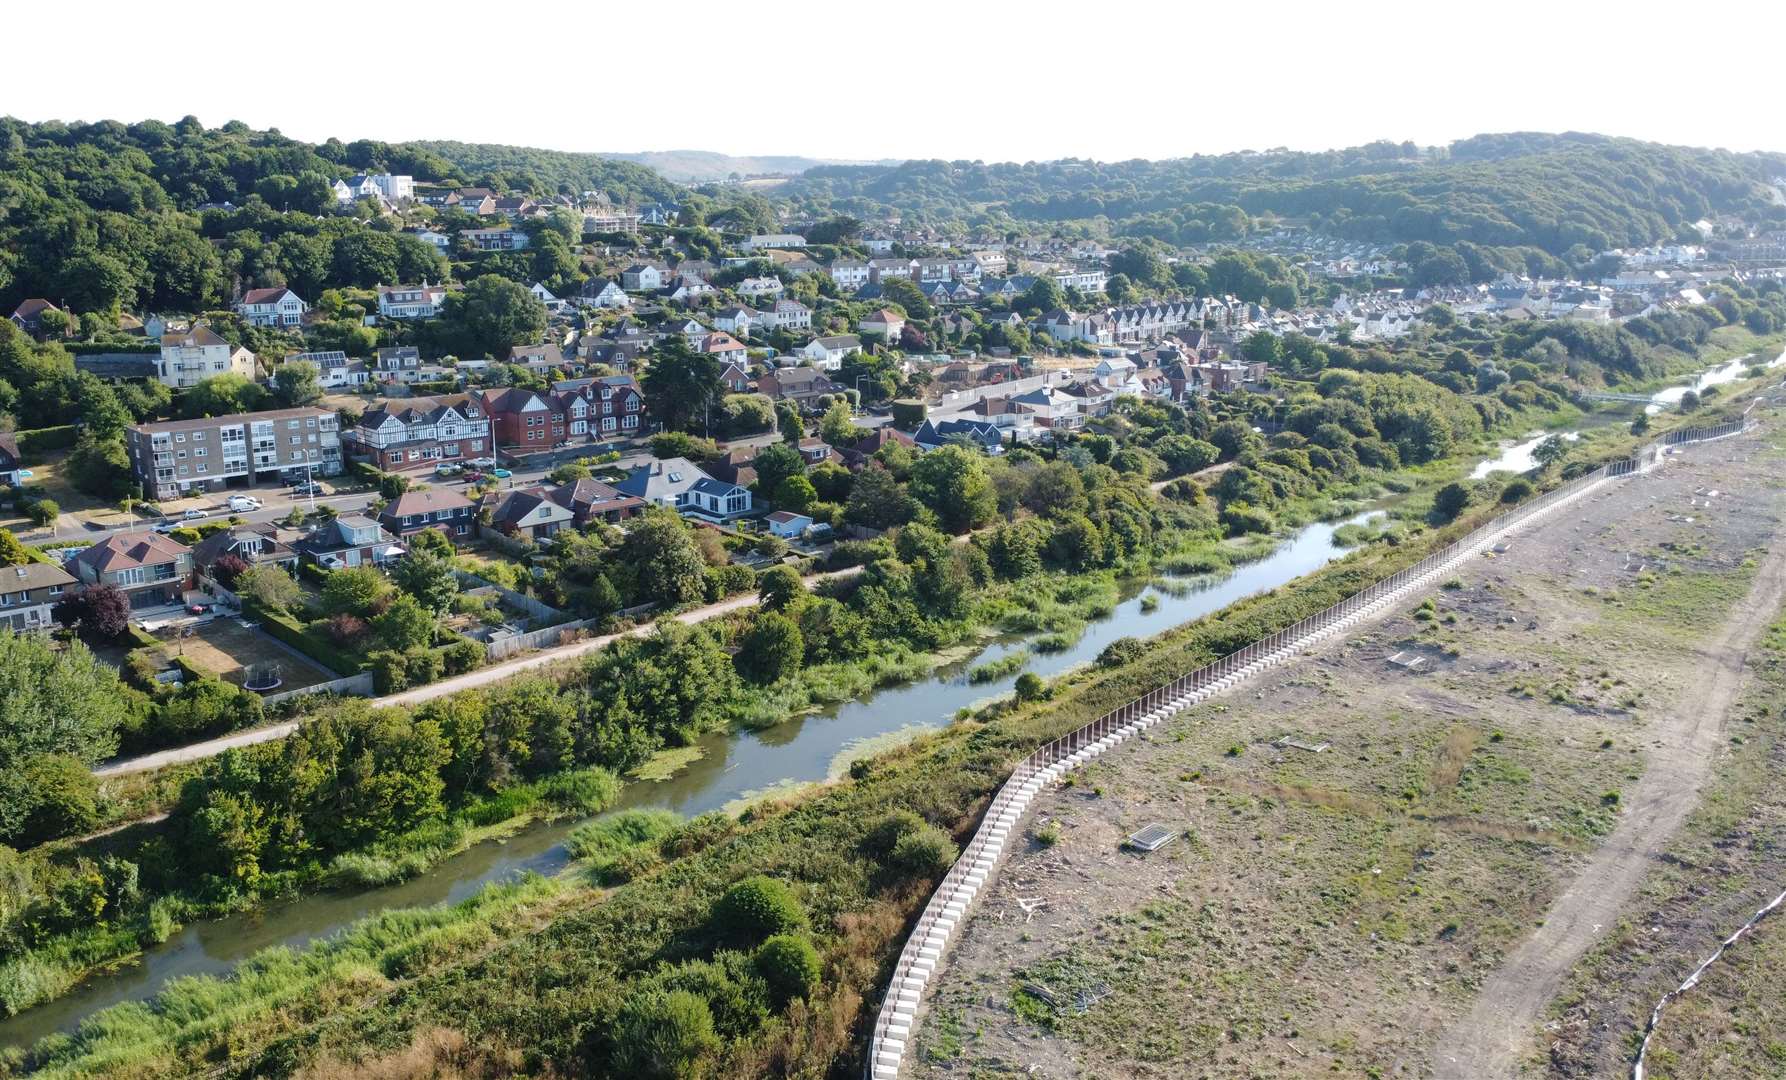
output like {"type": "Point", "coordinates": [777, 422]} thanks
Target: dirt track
{"type": "Point", "coordinates": [1493, 1038]}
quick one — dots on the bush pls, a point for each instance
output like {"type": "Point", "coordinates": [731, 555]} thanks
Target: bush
{"type": "Point", "coordinates": [1240, 519]}
{"type": "Point", "coordinates": [790, 965]}
{"type": "Point", "coordinates": [1030, 687]}
{"type": "Point", "coordinates": [758, 907]}
{"type": "Point", "coordinates": [62, 799]}
{"type": "Point", "coordinates": [346, 630]}
{"type": "Point", "coordinates": [926, 852]}
{"type": "Point", "coordinates": [1450, 501]}
{"type": "Point", "coordinates": [661, 1035]}
{"type": "Point", "coordinates": [588, 791]}
{"type": "Point", "coordinates": [1518, 489]}
{"type": "Point", "coordinates": [884, 834]}
{"type": "Point", "coordinates": [462, 656]}
{"type": "Point", "coordinates": [1121, 651]}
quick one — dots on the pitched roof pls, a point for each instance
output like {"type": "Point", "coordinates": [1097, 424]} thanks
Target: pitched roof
{"type": "Point", "coordinates": [265, 296]}
{"type": "Point", "coordinates": [124, 551]}
{"type": "Point", "coordinates": [425, 501]}
{"type": "Point", "coordinates": [32, 308]}
{"type": "Point", "coordinates": [197, 337]}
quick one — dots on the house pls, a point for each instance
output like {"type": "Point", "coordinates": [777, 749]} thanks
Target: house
{"type": "Point", "coordinates": [542, 357]}
{"type": "Point", "coordinates": [516, 207]}
{"type": "Point", "coordinates": [788, 525]}
{"type": "Point", "coordinates": [757, 288]}
{"type": "Point", "coordinates": [350, 540]}
{"type": "Point", "coordinates": [827, 353]}
{"type": "Point", "coordinates": [737, 464]}
{"type": "Point", "coordinates": [496, 239]}
{"type": "Point", "coordinates": [176, 458]}
{"type": "Point", "coordinates": [868, 445]}
{"type": "Point", "coordinates": [440, 241]}
{"type": "Point", "coordinates": [28, 316]}
{"type": "Point", "coordinates": [152, 569]}
{"type": "Point", "coordinates": [884, 268]}
{"type": "Point", "coordinates": [682, 485]}
{"type": "Point", "coordinates": [397, 363]}
{"type": "Point", "coordinates": [735, 376]}
{"type": "Point", "coordinates": [28, 592]}
{"type": "Point", "coordinates": [611, 221]}
{"type": "Point", "coordinates": [726, 347]}
{"type": "Point", "coordinates": [265, 544]}
{"type": "Point", "coordinates": [643, 277]}
{"type": "Point", "coordinates": [197, 354]}
{"type": "Point", "coordinates": [603, 292]}
{"type": "Point", "coordinates": [786, 314]}
{"type": "Point", "coordinates": [684, 290]}
{"type": "Point", "coordinates": [592, 500]}
{"type": "Point", "coordinates": [334, 368]}
{"type": "Point", "coordinates": [699, 269]}
{"type": "Point", "coordinates": [420, 432]}
{"type": "Point", "coordinates": [478, 201]}
{"type": "Point", "coordinates": [735, 320]}
{"type": "Point", "coordinates": [816, 451]}
{"type": "Point", "coordinates": [1051, 408]}
{"type": "Point", "coordinates": [762, 241]}
{"type": "Point", "coordinates": [428, 508]}
{"type": "Point", "coordinates": [272, 307]}
{"type": "Point", "coordinates": [801, 385]}
{"type": "Point", "coordinates": [884, 322]}
{"type": "Point", "coordinates": [422, 301]}
{"type": "Point", "coordinates": [1095, 399]}
{"type": "Point", "coordinates": [616, 405]}
{"type": "Point", "coordinates": [527, 512]}
{"type": "Point", "coordinates": [990, 262]}
{"type": "Point", "coordinates": [1116, 372]}
{"type": "Point", "coordinates": [525, 420]}
{"type": "Point", "coordinates": [932, 435]}
{"type": "Point", "coordinates": [12, 466]}
{"type": "Point", "coordinates": [848, 274]}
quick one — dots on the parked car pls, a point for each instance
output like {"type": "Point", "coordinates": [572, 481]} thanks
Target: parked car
{"type": "Point", "coordinates": [471, 476]}
{"type": "Point", "coordinates": [501, 474]}
{"type": "Point", "coordinates": [310, 487]}
{"type": "Point", "coordinates": [193, 515]}
{"type": "Point", "coordinates": [242, 503]}
{"type": "Point", "coordinates": [482, 462]}
{"type": "Point", "coordinates": [164, 526]}
{"type": "Point", "coordinates": [446, 468]}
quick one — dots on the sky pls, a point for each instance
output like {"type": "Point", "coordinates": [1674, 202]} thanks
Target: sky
{"type": "Point", "coordinates": [963, 79]}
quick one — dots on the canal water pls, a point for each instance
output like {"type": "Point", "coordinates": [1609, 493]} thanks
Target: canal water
{"type": "Point", "coordinates": [733, 767]}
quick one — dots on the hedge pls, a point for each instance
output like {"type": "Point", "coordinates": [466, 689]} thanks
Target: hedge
{"type": "Point", "coordinates": [39, 441]}
{"type": "Point", "coordinates": [287, 629]}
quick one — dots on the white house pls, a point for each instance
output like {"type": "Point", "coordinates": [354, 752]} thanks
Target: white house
{"type": "Point", "coordinates": [848, 274]}
{"type": "Point", "coordinates": [197, 354]}
{"type": "Point", "coordinates": [735, 320]}
{"type": "Point", "coordinates": [439, 240]}
{"type": "Point", "coordinates": [496, 239]}
{"type": "Point", "coordinates": [757, 288]}
{"type": "Point", "coordinates": [642, 277]}
{"type": "Point", "coordinates": [544, 296]}
{"type": "Point", "coordinates": [759, 241]}
{"type": "Point", "coordinates": [885, 322]}
{"type": "Point", "coordinates": [1116, 372]}
{"type": "Point", "coordinates": [827, 353]}
{"type": "Point", "coordinates": [786, 315]}
{"type": "Point", "coordinates": [603, 293]}
{"type": "Point", "coordinates": [682, 485]}
{"type": "Point", "coordinates": [422, 301]}
{"type": "Point", "coordinates": [393, 187]}
{"type": "Point", "coordinates": [272, 307]}
{"type": "Point", "coordinates": [788, 525]}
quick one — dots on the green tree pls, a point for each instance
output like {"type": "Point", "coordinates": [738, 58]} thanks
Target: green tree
{"type": "Point", "coordinates": [354, 590]}
{"type": "Point", "coordinates": [953, 483]}
{"type": "Point", "coordinates": [838, 426]}
{"type": "Point", "coordinates": [780, 588]}
{"type": "Point", "coordinates": [681, 386]}
{"type": "Point", "coordinates": [796, 493]}
{"type": "Point", "coordinates": [770, 650]}
{"type": "Point", "coordinates": [12, 553]}
{"type": "Point", "coordinates": [406, 624]}
{"type": "Point", "coordinates": [664, 556]}
{"type": "Point", "coordinates": [758, 907]}
{"type": "Point", "coordinates": [295, 383]}
{"type": "Point", "coordinates": [775, 464]}
{"type": "Point", "coordinates": [788, 422]}
{"type": "Point", "coordinates": [429, 577]}
{"type": "Point", "coordinates": [223, 395]}
{"type": "Point", "coordinates": [877, 500]}
{"type": "Point", "coordinates": [1450, 501]}
{"type": "Point", "coordinates": [54, 701]}
{"type": "Point", "coordinates": [270, 587]}
{"type": "Point", "coordinates": [492, 314]}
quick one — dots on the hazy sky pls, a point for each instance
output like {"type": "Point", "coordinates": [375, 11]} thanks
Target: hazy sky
{"type": "Point", "coordinates": [1105, 79]}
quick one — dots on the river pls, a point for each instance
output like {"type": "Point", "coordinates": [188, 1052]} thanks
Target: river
{"type": "Point", "coordinates": [734, 766]}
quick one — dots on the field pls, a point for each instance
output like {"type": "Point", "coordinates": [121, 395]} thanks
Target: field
{"type": "Point", "coordinates": [222, 647]}
{"type": "Point", "coordinates": [1346, 910]}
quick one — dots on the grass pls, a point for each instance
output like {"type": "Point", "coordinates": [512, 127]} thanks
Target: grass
{"type": "Point", "coordinates": [993, 670]}
{"type": "Point", "coordinates": [667, 762]}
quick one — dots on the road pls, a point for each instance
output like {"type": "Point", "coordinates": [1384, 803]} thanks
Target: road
{"type": "Point", "coordinates": [483, 676]}
{"type": "Point", "coordinates": [1491, 1040]}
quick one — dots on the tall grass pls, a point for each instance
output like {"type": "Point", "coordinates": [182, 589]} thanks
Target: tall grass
{"type": "Point", "coordinates": [993, 670]}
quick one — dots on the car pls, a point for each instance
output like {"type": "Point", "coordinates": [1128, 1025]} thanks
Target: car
{"type": "Point", "coordinates": [501, 474]}
{"type": "Point", "coordinates": [244, 502]}
{"type": "Point", "coordinates": [310, 487]}
{"type": "Point", "coordinates": [482, 462]}
{"type": "Point", "coordinates": [164, 526]}
{"type": "Point", "coordinates": [446, 468]}
{"type": "Point", "coordinates": [200, 609]}
{"type": "Point", "coordinates": [471, 476]}
{"type": "Point", "coordinates": [194, 514]}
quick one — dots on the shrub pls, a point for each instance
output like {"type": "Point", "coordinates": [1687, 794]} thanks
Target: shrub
{"type": "Point", "coordinates": [1239, 519]}
{"type": "Point", "coordinates": [588, 791]}
{"type": "Point", "coordinates": [1030, 687]}
{"type": "Point", "coordinates": [790, 965]}
{"type": "Point", "coordinates": [1121, 651]}
{"type": "Point", "coordinates": [1450, 501]}
{"type": "Point", "coordinates": [1518, 489]}
{"type": "Point", "coordinates": [346, 630]}
{"type": "Point", "coordinates": [926, 852]}
{"type": "Point", "coordinates": [661, 1035]}
{"type": "Point", "coordinates": [462, 656]}
{"type": "Point", "coordinates": [1048, 835]}
{"type": "Point", "coordinates": [758, 907]}
{"type": "Point", "coordinates": [888, 828]}
{"type": "Point", "coordinates": [61, 796]}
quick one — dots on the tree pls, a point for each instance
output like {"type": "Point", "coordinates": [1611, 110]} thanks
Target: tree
{"type": "Point", "coordinates": [228, 569]}
{"type": "Point", "coordinates": [1030, 687]}
{"type": "Point", "coordinates": [43, 512]}
{"type": "Point", "coordinates": [681, 386]}
{"type": "Point", "coordinates": [1262, 348]}
{"type": "Point", "coordinates": [770, 650]}
{"type": "Point", "coordinates": [101, 612]}
{"type": "Point", "coordinates": [223, 395]}
{"type": "Point", "coordinates": [788, 422]}
{"type": "Point", "coordinates": [1689, 401]}
{"type": "Point", "coordinates": [1119, 288]}
{"type": "Point", "coordinates": [774, 465]}
{"type": "Point", "coordinates": [665, 558]}
{"type": "Point", "coordinates": [432, 542]}
{"type": "Point", "coordinates": [269, 587]}
{"type": "Point", "coordinates": [429, 577]}
{"type": "Point", "coordinates": [1550, 451]}
{"type": "Point", "coordinates": [492, 314]}
{"type": "Point", "coordinates": [51, 796]}
{"type": "Point", "coordinates": [905, 293]}
{"type": "Point", "coordinates": [1043, 296]}
{"type": "Point", "coordinates": [877, 500]}
{"type": "Point", "coordinates": [952, 481]}
{"type": "Point", "coordinates": [1055, 489]}
{"type": "Point", "coordinates": [796, 493]}
{"type": "Point", "coordinates": [1450, 501]}
{"type": "Point", "coordinates": [12, 553]}
{"type": "Point", "coordinates": [790, 965]}
{"type": "Point", "coordinates": [406, 624]}
{"type": "Point", "coordinates": [99, 466]}
{"type": "Point", "coordinates": [295, 383]}
{"type": "Point", "coordinates": [838, 426]}
{"type": "Point", "coordinates": [354, 590]}
{"type": "Point", "coordinates": [780, 588]}
{"type": "Point", "coordinates": [662, 1035]}
{"type": "Point", "coordinates": [1186, 454]}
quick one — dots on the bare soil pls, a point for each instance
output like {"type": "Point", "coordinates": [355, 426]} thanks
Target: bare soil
{"type": "Point", "coordinates": [1341, 911]}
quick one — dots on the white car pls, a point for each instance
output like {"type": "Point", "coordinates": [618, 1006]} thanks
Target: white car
{"type": "Point", "coordinates": [482, 462]}
{"type": "Point", "coordinates": [192, 515]}
{"type": "Point", "coordinates": [240, 503]}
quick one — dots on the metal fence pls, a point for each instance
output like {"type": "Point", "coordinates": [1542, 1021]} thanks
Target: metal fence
{"type": "Point", "coordinates": [535, 639]}
{"type": "Point", "coordinates": [948, 905]}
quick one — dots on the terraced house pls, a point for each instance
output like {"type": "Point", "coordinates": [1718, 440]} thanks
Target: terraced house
{"type": "Point", "coordinates": [28, 592]}
{"type": "Point", "coordinates": [175, 458]}
{"type": "Point", "coordinates": [420, 432]}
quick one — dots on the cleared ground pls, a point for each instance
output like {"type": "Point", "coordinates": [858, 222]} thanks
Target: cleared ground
{"type": "Point", "coordinates": [1341, 911]}
{"type": "Point", "coordinates": [224, 648]}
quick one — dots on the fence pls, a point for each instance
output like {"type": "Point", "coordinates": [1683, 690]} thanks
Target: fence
{"type": "Point", "coordinates": [358, 685]}
{"type": "Point", "coordinates": [948, 905]}
{"type": "Point", "coordinates": [521, 602]}
{"type": "Point", "coordinates": [533, 639]}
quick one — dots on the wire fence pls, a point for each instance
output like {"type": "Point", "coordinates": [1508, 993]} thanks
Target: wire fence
{"type": "Point", "coordinates": [923, 950]}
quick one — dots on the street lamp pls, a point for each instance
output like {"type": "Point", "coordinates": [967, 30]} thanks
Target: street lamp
{"type": "Point", "coordinates": [859, 379]}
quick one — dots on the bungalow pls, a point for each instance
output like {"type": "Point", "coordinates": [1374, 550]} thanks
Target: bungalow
{"type": "Point", "coordinates": [350, 540]}
{"type": "Point", "coordinates": [28, 593]}
{"type": "Point", "coordinates": [885, 322]}
{"type": "Point", "coordinates": [788, 525]}
{"type": "Point", "coordinates": [272, 307]}
{"type": "Point", "coordinates": [537, 358]}
{"type": "Point", "coordinates": [682, 485]}
{"type": "Point", "coordinates": [761, 241]}
{"type": "Point", "coordinates": [603, 292]}
{"type": "Point", "coordinates": [428, 508]}
{"type": "Point", "coordinates": [987, 436]}
{"type": "Point", "coordinates": [592, 500]}
{"type": "Point", "coordinates": [756, 288]}
{"type": "Point", "coordinates": [527, 512]}
{"type": "Point", "coordinates": [152, 569]}
{"type": "Point", "coordinates": [265, 544]}
{"type": "Point", "coordinates": [28, 316]}
{"type": "Point", "coordinates": [827, 353]}
{"type": "Point", "coordinates": [684, 290]}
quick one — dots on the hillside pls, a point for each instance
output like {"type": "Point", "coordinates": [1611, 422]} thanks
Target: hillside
{"type": "Point", "coordinates": [1554, 193]}
{"type": "Point", "coordinates": [707, 166]}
